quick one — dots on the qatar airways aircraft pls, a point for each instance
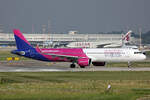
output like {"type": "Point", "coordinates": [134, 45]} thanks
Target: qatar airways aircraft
{"type": "Point", "coordinates": [101, 44]}
{"type": "Point", "coordinates": [83, 57]}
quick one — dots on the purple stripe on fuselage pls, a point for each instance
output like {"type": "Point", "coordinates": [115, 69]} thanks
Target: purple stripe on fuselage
{"type": "Point", "coordinates": [42, 54]}
{"type": "Point", "coordinates": [78, 52]}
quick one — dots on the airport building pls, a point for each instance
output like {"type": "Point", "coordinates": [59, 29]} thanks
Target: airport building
{"type": "Point", "coordinates": [72, 36]}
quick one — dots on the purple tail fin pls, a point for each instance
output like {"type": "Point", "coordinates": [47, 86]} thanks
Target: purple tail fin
{"type": "Point", "coordinates": [21, 42]}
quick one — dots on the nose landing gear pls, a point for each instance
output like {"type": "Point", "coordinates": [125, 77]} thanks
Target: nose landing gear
{"type": "Point", "coordinates": [129, 64]}
{"type": "Point", "coordinates": [73, 66]}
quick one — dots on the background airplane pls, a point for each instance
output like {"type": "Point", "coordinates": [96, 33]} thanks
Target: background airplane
{"type": "Point", "coordinates": [105, 44]}
{"type": "Point", "coordinates": [83, 57]}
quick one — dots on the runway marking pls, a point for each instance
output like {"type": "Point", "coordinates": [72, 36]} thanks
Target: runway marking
{"type": "Point", "coordinates": [60, 69]}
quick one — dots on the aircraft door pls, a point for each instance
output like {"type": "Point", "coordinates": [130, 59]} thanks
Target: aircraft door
{"type": "Point", "coordinates": [127, 53]}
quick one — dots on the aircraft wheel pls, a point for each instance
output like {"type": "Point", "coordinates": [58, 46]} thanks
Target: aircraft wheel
{"type": "Point", "coordinates": [72, 66]}
{"type": "Point", "coordinates": [82, 66]}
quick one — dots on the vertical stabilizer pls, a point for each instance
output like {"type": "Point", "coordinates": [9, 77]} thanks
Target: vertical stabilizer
{"type": "Point", "coordinates": [126, 37]}
{"type": "Point", "coordinates": [21, 42]}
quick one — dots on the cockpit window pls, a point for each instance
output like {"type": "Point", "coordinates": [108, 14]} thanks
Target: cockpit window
{"type": "Point", "coordinates": [138, 53]}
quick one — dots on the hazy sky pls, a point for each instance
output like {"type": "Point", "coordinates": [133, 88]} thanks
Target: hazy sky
{"type": "Point", "coordinates": [89, 16]}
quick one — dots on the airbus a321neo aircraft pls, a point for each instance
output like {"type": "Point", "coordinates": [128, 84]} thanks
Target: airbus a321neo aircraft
{"type": "Point", "coordinates": [83, 57]}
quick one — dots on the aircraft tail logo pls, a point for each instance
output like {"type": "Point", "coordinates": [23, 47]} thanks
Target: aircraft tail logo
{"type": "Point", "coordinates": [21, 42]}
{"type": "Point", "coordinates": [127, 36]}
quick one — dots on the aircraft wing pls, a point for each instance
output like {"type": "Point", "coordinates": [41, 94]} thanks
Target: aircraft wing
{"type": "Point", "coordinates": [103, 45]}
{"type": "Point", "coordinates": [71, 58]}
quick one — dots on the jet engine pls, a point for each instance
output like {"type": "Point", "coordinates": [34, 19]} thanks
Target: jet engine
{"type": "Point", "coordinates": [18, 52]}
{"type": "Point", "coordinates": [98, 63]}
{"type": "Point", "coordinates": [82, 62]}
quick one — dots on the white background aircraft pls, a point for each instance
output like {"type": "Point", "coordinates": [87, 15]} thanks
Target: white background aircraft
{"type": "Point", "coordinates": [101, 44]}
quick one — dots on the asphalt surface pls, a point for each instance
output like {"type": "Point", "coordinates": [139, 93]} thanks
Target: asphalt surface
{"type": "Point", "coordinates": [57, 68]}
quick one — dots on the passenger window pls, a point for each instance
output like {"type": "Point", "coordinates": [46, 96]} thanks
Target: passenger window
{"type": "Point", "coordinates": [137, 52]}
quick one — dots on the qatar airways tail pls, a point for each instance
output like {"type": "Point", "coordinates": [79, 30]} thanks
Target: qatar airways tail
{"type": "Point", "coordinates": [126, 37]}
{"type": "Point", "coordinates": [80, 56]}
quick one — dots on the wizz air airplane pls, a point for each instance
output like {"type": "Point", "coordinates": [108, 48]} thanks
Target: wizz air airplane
{"type": "Point", "coordinates": [83, 57]}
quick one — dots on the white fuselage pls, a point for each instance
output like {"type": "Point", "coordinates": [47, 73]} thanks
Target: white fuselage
{"type": "Point", "coordinates": [114, 55]}
{"type": "Point", "coordinates": [99, 44]}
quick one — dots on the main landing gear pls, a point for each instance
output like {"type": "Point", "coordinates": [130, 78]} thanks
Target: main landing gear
{"type": "Point", "coordinates": [72, 65]}
{"type": "Point", "coordinates": [82, 66]}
